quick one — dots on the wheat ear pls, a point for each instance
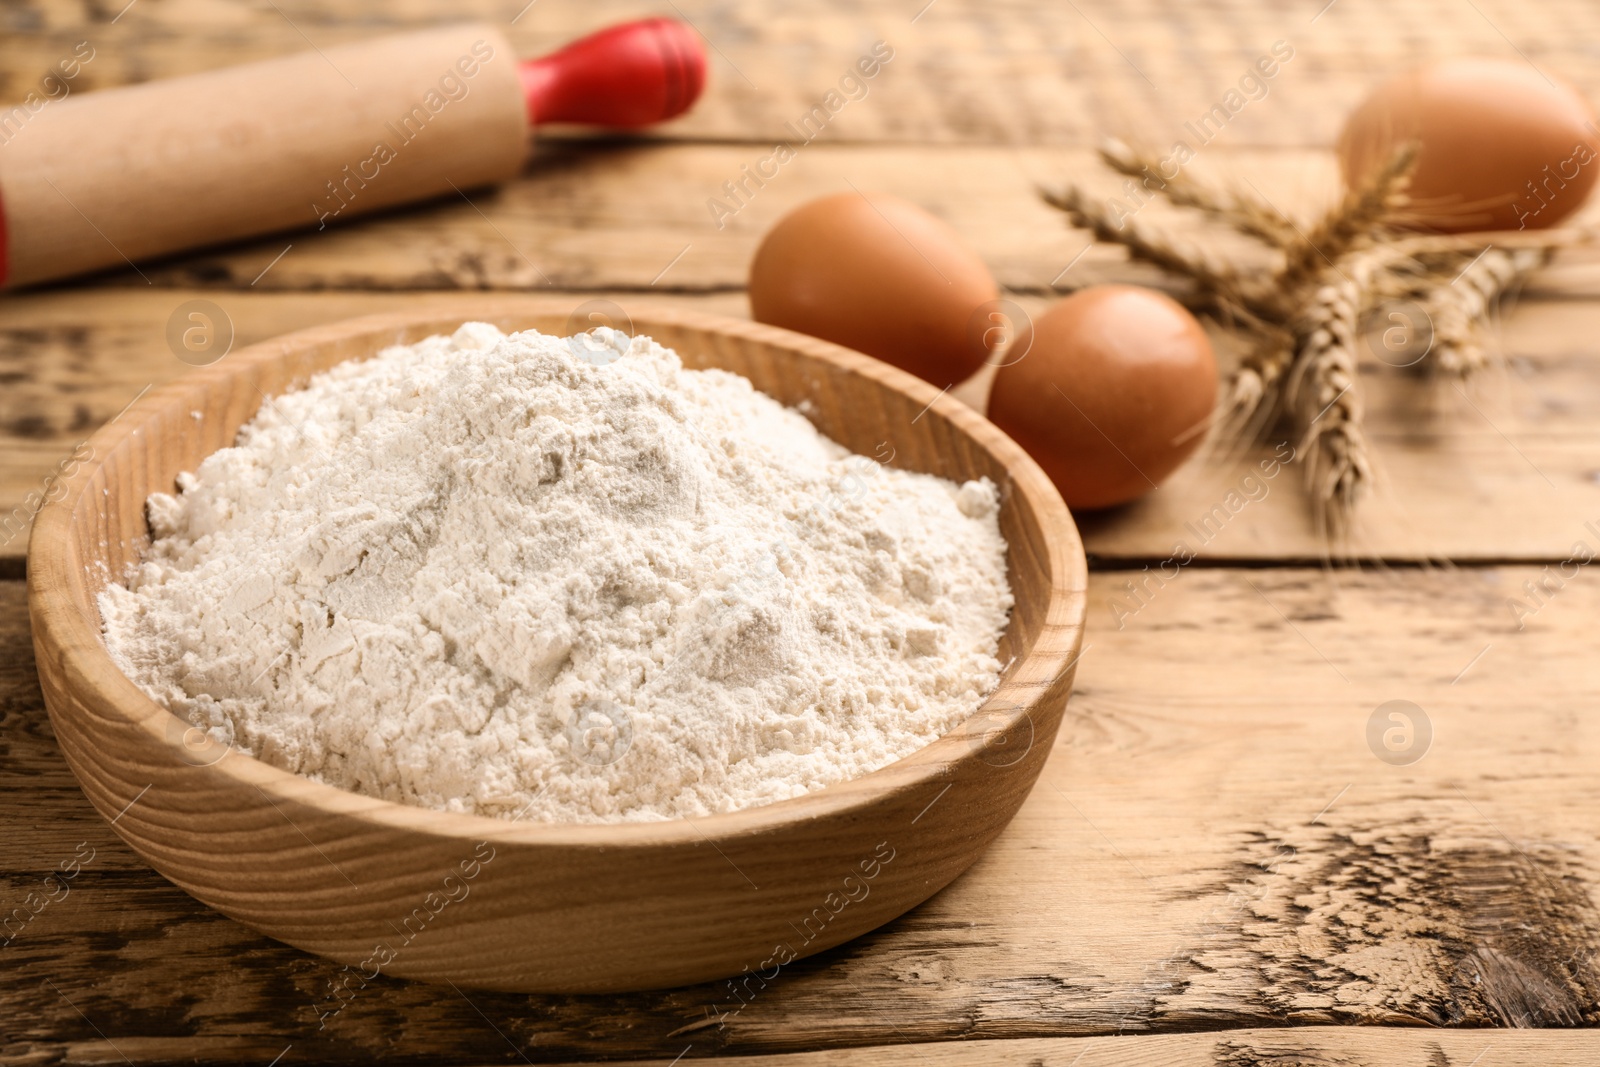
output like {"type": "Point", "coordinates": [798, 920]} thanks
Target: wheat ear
{"type": "Point", "coordinates": [1217, 279]}
{"type": "Point", "coordinates": [1354, 223]}
{"type": "Point", "coordinates": [1243, 212]}
{"type": "Point", "coordinates": [1251, 399]}
{"type": "Point", "coordinates": [1457, 310]}
{"type": "Point", "coordinates": [1325, 401]}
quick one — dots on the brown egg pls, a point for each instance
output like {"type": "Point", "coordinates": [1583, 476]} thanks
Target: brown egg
{"type": "Point", "coordinates": [1111, 393]}
{"type": "Point", "coordinates": [880, 275]}
{"type": "Point", "coordinates": [1501, 148]}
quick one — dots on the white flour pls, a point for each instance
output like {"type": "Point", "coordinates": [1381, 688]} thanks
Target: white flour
{"type": "Point", "coordinates": [483, 574]}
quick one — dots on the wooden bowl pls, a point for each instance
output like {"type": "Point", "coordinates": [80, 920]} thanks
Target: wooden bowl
{"type": "Point", "coordinates": [540, 907]}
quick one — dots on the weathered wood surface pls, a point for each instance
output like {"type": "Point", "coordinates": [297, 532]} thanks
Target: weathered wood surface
{"type": "Point", "coordinates": [964, 70]}
{"type": "Point", "coordinates": [1507, 470]}
{"type": "Point", "coordinates": [1213, 844]}
{"type": "Point", "coordinates": [1299, 1047]}
{"type": "Point", "coordinates": [335, 874]}
{"type": "Point", "coordinates": [627, 215]}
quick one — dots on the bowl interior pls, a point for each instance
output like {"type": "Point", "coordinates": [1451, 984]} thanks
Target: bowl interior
{"type": "Point", "coordinates": [869, 407]}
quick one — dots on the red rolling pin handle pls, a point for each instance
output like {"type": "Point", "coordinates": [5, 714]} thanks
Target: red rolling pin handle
{"type": "Point", "coordinates": [629, 75]}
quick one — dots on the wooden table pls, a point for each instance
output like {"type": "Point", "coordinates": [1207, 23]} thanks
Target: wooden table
{"type": "Point", "coordinates": [1216, 867]}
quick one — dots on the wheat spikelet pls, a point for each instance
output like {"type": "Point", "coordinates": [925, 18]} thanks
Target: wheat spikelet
{"type": "Point", "coordinates": [1244, 212]}
{"type": "Point", "coordinates": [1322, 395]}
{"type": "Point", "coordinates": [1354, 223]}
{"type": "Point", "coordinates": [1459, 309]}
{"type": "Point", "coordinates": [1336, 256]}
{"type": "Point", "coordinates": [1251, 397]}
{"type": "Point", "coordinates": [1253, 392]}
{"type": "Point", "coordinates": [1214, 276]}
{"type": "Point", "coordinates": [1468, 245]}
{"type": "Point", "coordinates": [1301, 320]}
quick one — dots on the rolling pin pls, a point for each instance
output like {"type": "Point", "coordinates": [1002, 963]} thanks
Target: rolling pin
{"type": "Point", "coordinates": [126, 174]}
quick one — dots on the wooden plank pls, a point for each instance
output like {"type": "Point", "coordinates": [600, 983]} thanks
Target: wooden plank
{"type": "Point", "coordinates": [624, 215]}
{"type": "Point", "coordinates": [1297, 1047]}
{"type": "Point", "coordinates": [1515, 455]}
{"type": "Point", "coordinates": [627, 216]}
{"type": "Point", "coordinates": [966, 71]}
{"type": "Point", "coordinates": [1214, 844]}
{"type": "Point", "coordinates": [1149, 884]}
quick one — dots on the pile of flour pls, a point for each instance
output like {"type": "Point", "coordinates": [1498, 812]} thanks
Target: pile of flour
{"type": "Point", "coordinates": [561, 579]}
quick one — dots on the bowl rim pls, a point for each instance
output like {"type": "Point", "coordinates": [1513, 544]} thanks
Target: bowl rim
{"type": "Point", "coordinates": [84, 659]}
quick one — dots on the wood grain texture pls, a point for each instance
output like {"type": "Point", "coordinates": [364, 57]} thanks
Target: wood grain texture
{"type": "Point", "coordinates": [968, 71]}
{"type": "Point", "coordinates": [1212, 844]}
{"type": "Point", "coordinates": [625, 214]}
{"type": "Point", "coordinates": [1299, 1047]}
{"type": "Point", "coordinates": [71, 360]}
{"type": "Point", "coordinates": [1146, 886]}
{"type": "Point", "coordinates": [564, 908]}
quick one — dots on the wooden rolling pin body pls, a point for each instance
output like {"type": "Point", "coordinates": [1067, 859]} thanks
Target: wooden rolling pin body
{"type": "Point", "coordinates": [126, 174]}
